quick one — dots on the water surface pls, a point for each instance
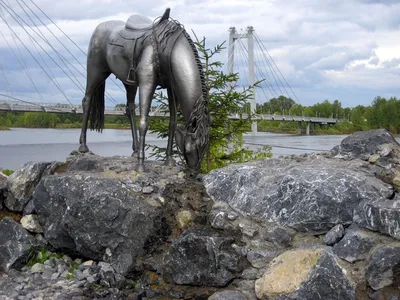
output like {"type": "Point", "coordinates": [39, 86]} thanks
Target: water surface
{"type": "Point", "coordinates": [20, 145]}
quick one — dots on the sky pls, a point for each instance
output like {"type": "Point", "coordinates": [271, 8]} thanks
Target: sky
{"type": "Point", "coordinates": [347, 50]}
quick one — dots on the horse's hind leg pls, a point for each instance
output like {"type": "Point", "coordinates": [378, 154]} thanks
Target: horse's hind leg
{"type": "Point", "coordinates": [95, 79]}
{"type": "Point", "coordinates": [130, 112]}
{"type": "Point", "coordinates": [171, 128]}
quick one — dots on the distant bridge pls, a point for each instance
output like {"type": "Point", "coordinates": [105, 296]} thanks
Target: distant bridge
{"type": "Point", "coordinates": [16, 106]}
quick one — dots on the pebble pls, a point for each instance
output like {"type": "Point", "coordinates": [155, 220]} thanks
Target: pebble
{"type": "Point", "coordinates": [52, 280]}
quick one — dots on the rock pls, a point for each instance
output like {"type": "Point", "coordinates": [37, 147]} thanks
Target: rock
{"type": "Point", "coordinates": [22, 183]}
{"type": "Point", "coordinates": [334, 235]}
{"type": "Point", "coordinates": [3, 186]}
{"type": "Point", "coordinates": [31, 223]}
{"type": "Point", "coordinates": [3, 181]}
{"type": "Point", "coordinates": [280, 236]}
{"type": "Point", "coordinates": [259, 259]}
{"type": "Point", "coordinates": [379, 269]}
{"type": "Point", "coordinates": [355, 245]}
{"type": "Point", "coordinates": [374, 158]}
{"type": "Point", "coordinates": [202, 257]}
{"type": "Point", "coordinates": [98, 218]}
{"type": "Point", "coordinates": [88, 263]}
{"type": "Point", "coordinates": [228, 295]}
{"type": "Point", "coordinates": [37, 268]}
{"type": "Point", "coordinates": [380, 215]}
{"type": "Point", "coordinates": [396, 181]}
{"type": "Point", "coordinates": [364, 142]}
{"type": "Point", "coordinates": [385, 149]}
{"type": "Point", "coordinates": [16, 244]}
{"type": "Point", "coordinates": [184, 218]}
{"type": "Point", "coordinates": [310, 195]}
{"type": "Point", "coordinates": [305, 274]}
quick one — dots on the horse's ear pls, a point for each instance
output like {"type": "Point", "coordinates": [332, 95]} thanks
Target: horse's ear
{"type": "Point", "coordinates": [180, 138]}
{"type": "Point", "coordinates": [165, 15]}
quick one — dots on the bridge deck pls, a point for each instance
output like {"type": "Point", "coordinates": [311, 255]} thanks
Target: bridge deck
{"type": "Point", "coordinates": [51, 108]}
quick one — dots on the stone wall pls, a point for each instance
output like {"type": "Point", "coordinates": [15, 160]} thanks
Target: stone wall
{"type": "Point", "coordinates": [315, 226]}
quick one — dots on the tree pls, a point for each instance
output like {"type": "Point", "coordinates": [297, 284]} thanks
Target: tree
{"type": "Point", "coordinates": [226, 144]}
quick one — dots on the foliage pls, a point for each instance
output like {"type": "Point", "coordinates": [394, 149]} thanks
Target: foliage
{"type": "Point", "coordinates": [226, 144]}
{"type": "Point", "coordinates": [278, 106]}
{"type": "Point", "coordinates": [41, 256]}
{"type": "Point", "coordinates": [7, 172]}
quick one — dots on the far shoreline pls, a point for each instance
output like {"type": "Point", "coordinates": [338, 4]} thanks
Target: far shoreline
{"type": "Point", "coordinates": [288, 131]}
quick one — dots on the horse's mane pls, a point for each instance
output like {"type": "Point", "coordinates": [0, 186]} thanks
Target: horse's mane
{"type": "Point", "coordinates": [199, 120]}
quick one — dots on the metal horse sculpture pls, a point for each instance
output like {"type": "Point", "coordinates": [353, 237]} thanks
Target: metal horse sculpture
{"type": "Point", "coordinates": [145, 54]}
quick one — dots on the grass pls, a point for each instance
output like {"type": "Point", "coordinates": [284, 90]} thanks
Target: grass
{"type": "Point", "coordinates": [41, 256]}
{"type": "Point", "coordinates": [4, 128]}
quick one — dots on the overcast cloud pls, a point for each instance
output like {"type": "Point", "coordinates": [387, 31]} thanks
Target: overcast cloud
{"type": "Point", "coordinates": [345, 50]}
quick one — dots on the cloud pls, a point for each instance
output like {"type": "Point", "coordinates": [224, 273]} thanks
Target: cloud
{"type": "Point", "coordinates": [346, 50]}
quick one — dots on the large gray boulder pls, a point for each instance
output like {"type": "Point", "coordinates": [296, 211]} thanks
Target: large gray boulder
{"type": "Point", "coordinates": [380, 269]}
{"type": "Point", "coordinates": [202, 257]}
{"type": "Point", "coordinates": [304, 274]}
{"type": "Point", "coordinates": [364, 143]}
{"type": "Point", "coordinates": [380, 215]}
{"type": "Point", "coordinates": [356, 244]}
{"type": "Point", "coordinates": [22, 183]}
{"type": "Point", "coordinates": [312, 194]}
{"type": "Point", "coordinates": [99, 218]}
{"type": "Point", "coordinates": [16, 245]}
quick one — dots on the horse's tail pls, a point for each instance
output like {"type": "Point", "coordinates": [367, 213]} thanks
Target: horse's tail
{"type": "Point", "coordinates": [96, 108]}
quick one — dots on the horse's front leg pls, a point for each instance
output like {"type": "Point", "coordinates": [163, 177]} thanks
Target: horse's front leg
{"type": "Point", "coordinates": [171, 128]}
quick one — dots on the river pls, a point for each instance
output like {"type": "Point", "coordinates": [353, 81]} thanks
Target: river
{"type": "Point", "coordinates": [20, 145]}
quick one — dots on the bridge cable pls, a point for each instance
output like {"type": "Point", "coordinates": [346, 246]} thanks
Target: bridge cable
{"type": "Point", "coordinates": [44, 61]}
{"type": "Point", "coordinates": [270, 85]}
{"type": "Point", "coordinates": [262, 75]}
{"type": "Point", "coordinates": [5, 77]}
{"type": "Point", "coordinates": [271, 67]}
{"type": "Point", "coordinates": [43, 38]}
{"type": "Point", "coordinates": [242, 57]}
{"type": "Point", "coordinates": [273, 73]}
{"type": "Point", "coordinates": [34, 13]}
{"type": "Point", "coordinates": [71, 40]}
{"type": "Point", "coordinates": [20, 61]}
{"type": "Point", "coordinates": [31, 103]}
{"type": "Point", "coordinates": [233, 52]}
{"type": "Point", "coordinates": [79, 85]}
{"type": "Point", "coordinates": [59, 54]}
{"type": "Point", "coordinates": [26, 48]}
{"type": "Point", "coordinates": [260, 43]}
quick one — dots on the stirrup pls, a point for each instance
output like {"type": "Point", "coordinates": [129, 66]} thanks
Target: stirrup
{"type": "Point", "coordinates": [129, 79]}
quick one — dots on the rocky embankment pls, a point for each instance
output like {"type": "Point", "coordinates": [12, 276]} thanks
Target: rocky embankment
{"type": "Point", "coordinates": [317, 226]}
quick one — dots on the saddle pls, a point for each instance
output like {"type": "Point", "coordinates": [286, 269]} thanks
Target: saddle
{"type": "Point", "coordinates": [133, 37]}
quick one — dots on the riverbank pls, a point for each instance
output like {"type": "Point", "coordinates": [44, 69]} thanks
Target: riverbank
{"type": "Point", "coordinates": [263, 126]}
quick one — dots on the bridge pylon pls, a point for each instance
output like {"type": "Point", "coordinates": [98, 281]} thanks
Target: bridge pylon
{"type": "Point", "coordinates": [233, 36]}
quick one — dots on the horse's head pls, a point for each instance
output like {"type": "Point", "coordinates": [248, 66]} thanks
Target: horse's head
{"type": "Point", "coordinates": [192, 149]}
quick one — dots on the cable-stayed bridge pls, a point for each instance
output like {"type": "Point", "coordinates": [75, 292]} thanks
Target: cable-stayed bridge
{"type": "Point", "coordinates": [40, 47]}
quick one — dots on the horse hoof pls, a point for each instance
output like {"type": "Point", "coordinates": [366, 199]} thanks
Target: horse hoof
{"type": "Point", "coordinates": [140, 168]}
{"type": "Point", "coordinates": [83, 148]}
{"type": "Point", "coordinates": [170, 162]}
